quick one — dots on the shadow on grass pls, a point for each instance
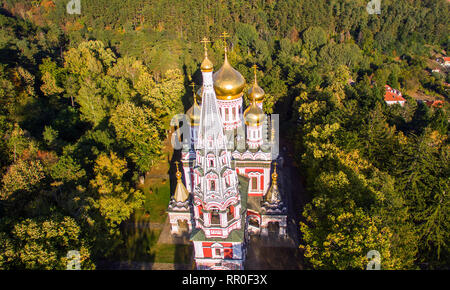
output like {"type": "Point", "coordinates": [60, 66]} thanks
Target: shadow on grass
{"type": "Point", "coordinates": [139, 240]}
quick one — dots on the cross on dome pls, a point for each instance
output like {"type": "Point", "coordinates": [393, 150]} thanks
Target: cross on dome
{"type": "Point", "coordinates": [205, 41]}
{"type": "Point", "coordinates": [224, 36]}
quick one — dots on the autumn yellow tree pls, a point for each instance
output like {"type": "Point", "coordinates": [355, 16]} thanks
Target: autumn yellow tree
{"type": "Point", "coordinates": [116, 199]}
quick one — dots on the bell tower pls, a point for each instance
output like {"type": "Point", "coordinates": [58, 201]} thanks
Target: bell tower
{"type": "Point", "coordinates": [219, 232]}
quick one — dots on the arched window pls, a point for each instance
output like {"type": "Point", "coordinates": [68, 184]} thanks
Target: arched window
{"type": "Point", "coordinates": [254, 181]}
{"type": "Point", "coordinates": [200, 211]}
{"type": "Point", "coordinates": [212, 185]}
{"type": "Point", "coordinates": [226, 114]}
{"type": "Point", "coordinates": [211, 162]}
{"type": "Point", "coordinates": [234, 113]}
{"type": "Point", "coordinates": [230, 213]}
{"type": "Point", "coordinates": [215, 217]}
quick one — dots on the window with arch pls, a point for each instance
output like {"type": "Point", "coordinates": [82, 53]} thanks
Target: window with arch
{"type": "Point", "coordinates": [254, 181]}
{"type": "Point", "coordinates": [230, 213]}
{"type": "Point", "coordinates": [210, 161]}
{"type": "Point", "coordinates": [200, 211]}
{"type": "Point", "coordinates": [226, 114]}
{"type": "Point", "coordinates": [234, 113]}
{"type": "Point", "coordinates": [212, 184]}
{"type": "Point", "coordinates": [215, 217]}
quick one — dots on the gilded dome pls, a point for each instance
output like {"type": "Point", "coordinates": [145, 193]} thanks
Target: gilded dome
{"type": "Point", "coordinates": [228, 82]}
{"type": "Point", "coordinates": [194, 113]}
{"type": "Point", "coordinates": [254, 115]}
{"type": "Point", "coordinates": [206, 65]}
{"type": "Point", "coordinates": [256, 92]}
{"type": "Point", "coordinates": [273, 194]}
{"type": "Point", "coordinates": [181, 194]}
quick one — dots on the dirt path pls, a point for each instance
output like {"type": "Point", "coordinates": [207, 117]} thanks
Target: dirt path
{"type": "Point", "coordinates": [167, 238]}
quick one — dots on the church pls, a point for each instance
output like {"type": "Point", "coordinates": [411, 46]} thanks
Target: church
{"type": "Point", "coordinates": [231, 188]}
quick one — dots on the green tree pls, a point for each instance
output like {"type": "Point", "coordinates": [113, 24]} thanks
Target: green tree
{"type": "Point", "coordinates": [43, 244]}
{"type": "Point", "coordinates": [116, 200]}
{"type": "Point", "coordinates": [134, 126]}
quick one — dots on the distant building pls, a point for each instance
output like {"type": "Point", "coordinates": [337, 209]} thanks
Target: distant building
{"type": "Point", "coordinates": [446, 62]}
{"type": "Point", "coordinates": [435, 103]}
{"type": "Point", "coordinates": [393, 96]}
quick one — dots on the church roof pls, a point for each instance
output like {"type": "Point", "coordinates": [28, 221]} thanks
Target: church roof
{"type": "Point", "coordinates": [273, 195]}
{"type": "Point", "coordinates": [181, 193]}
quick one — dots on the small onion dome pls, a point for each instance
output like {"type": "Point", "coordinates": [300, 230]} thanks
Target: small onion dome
{"type": "Point", "coordinates": [253, 115]}
{"type": "Point", "coordinates": [273, 194]}
{"type": "Point", "coordinates": [228, 82]}
{"type": "Point", "coordinates": [207, 65]}
{"type": "Point", "coordinates": [194, 113]}
{"type": "Point", "coordinates": [181, 193]}
{"type": "Point", "coordinates": [256, 92]}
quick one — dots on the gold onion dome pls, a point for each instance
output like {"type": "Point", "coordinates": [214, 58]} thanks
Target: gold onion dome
{"type": "Point", "coordinates": [228, 82]}
{"type": "Point", "coordinates": [256, 91]}
{"type": "Point", "coordinates": [273, 194]}
{"type": "Point", "coordinates": [181, 193]}
{"type": "Point", "coordinates": [253, 115]}
{"type": "Point", "coordinates": [194, 113]}
{"type": "Point", "coordinates": [207, 65]}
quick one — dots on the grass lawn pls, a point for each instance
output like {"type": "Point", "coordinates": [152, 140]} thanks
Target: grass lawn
{"type": "Point", "coordinates": [141, 245]}
{"type": "Point", "coordinates": [139, 236]}
{"type": "Point", "coordinates": [157, 197]}
{"type": "Point", "coordinates": [178, 254]}
{"type": "Point", "coordinates": [138, 245]}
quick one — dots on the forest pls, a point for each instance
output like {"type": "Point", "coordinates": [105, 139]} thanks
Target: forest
{"type": "Point", "coordinates": [86, 102]}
